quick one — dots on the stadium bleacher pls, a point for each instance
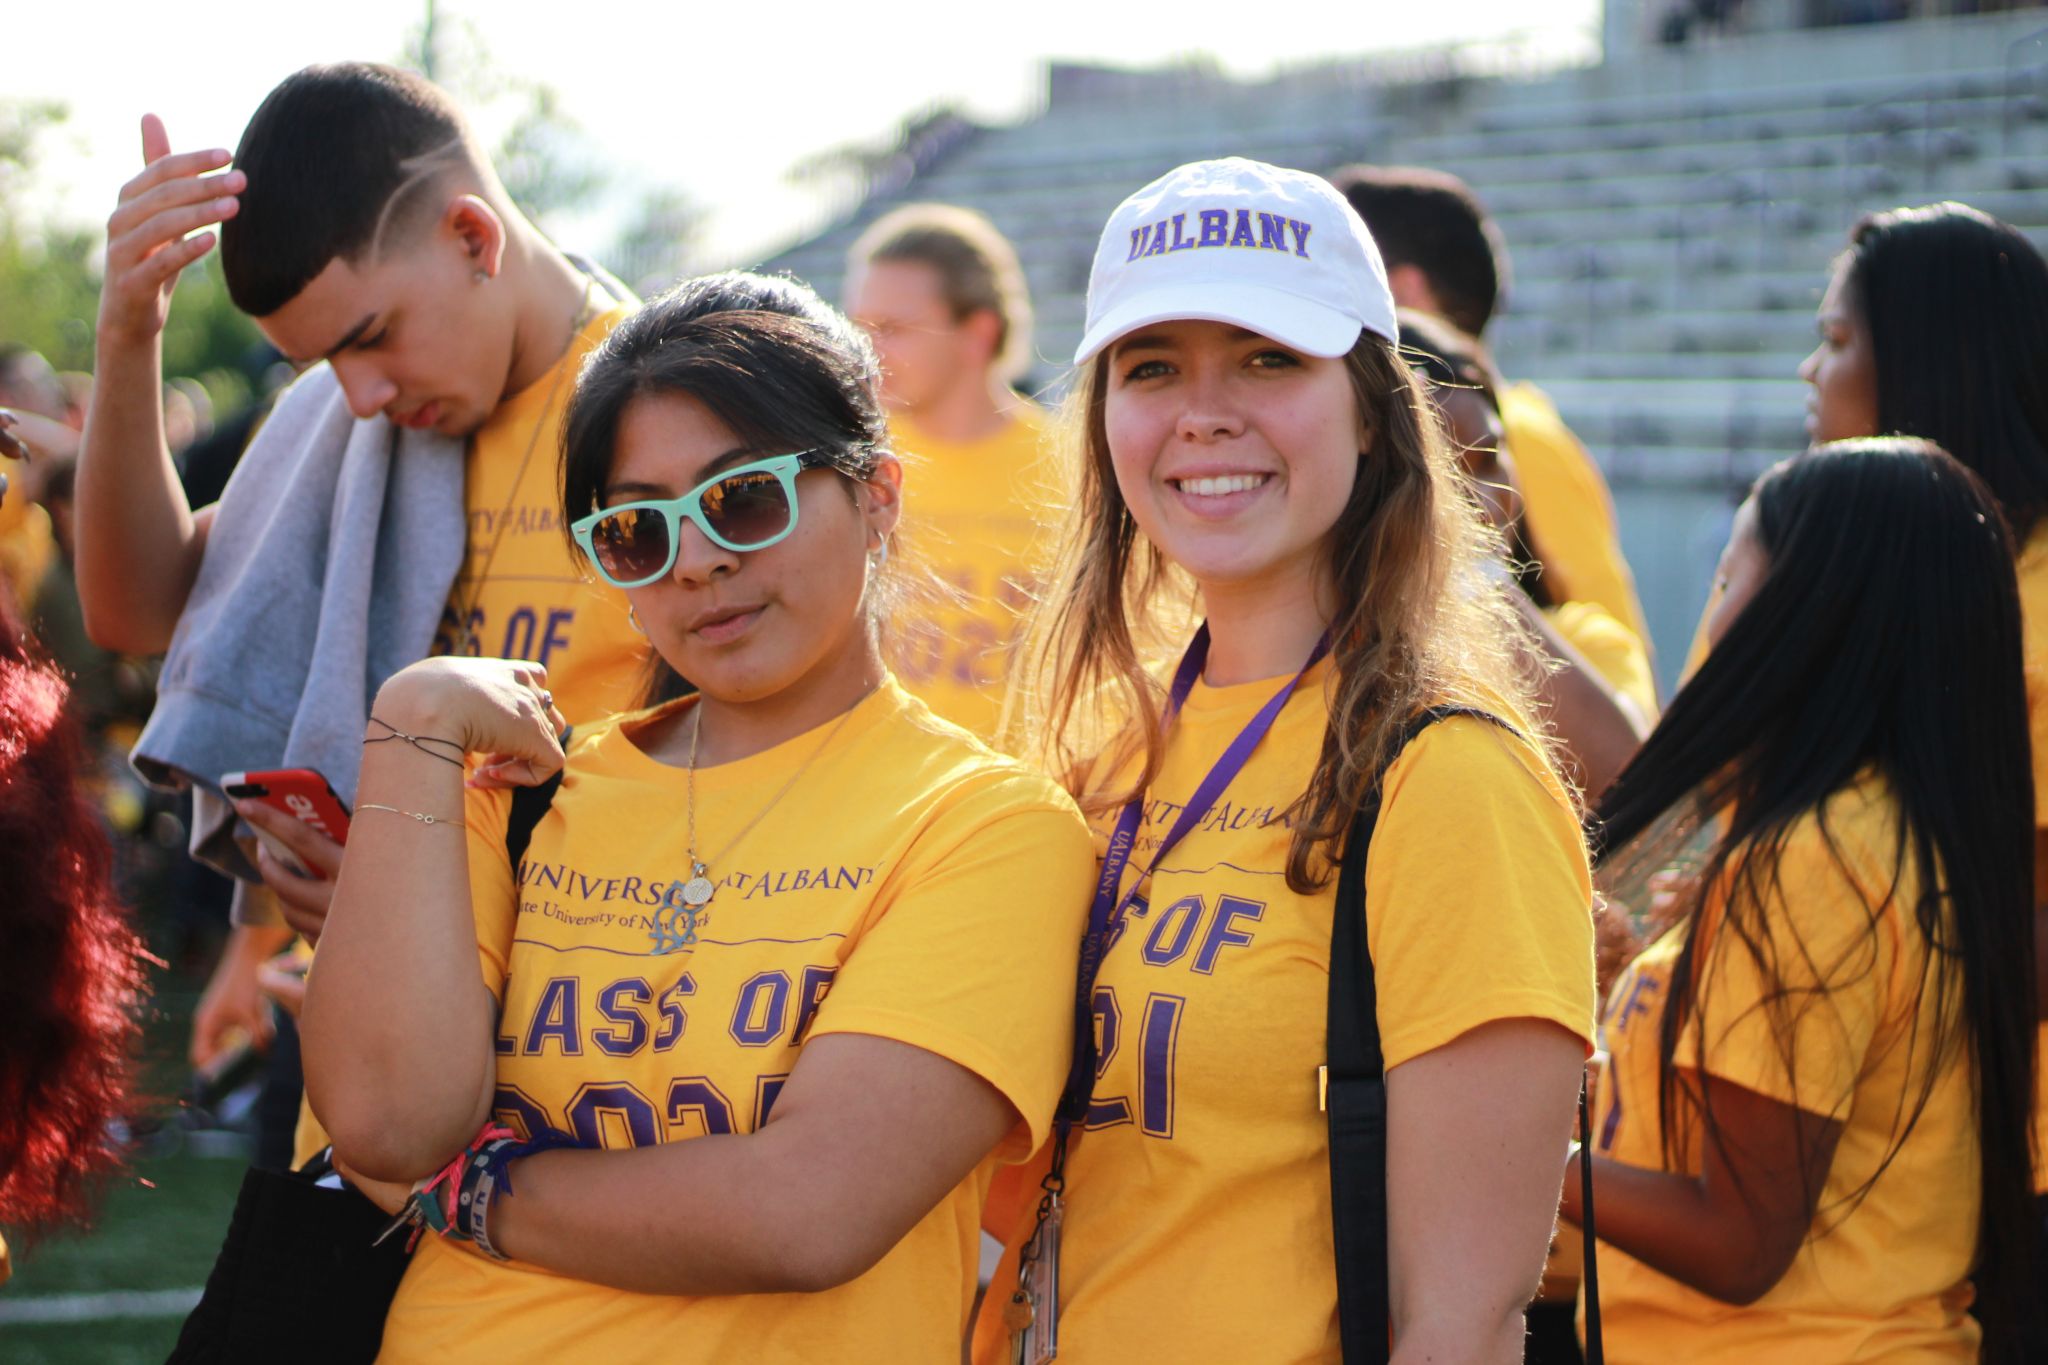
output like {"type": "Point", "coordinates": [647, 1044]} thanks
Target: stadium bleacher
{"type": "Point", "coordinates": [1670, 212]}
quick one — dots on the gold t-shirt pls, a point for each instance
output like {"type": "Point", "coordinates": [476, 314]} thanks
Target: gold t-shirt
{"type": "Point", "coordinates": [1884, 1278]}
{"type": "Point", "coordinates": [521, 593]}
{"type": "Point", "coordinates": [524, 593]}
{"type": "Point", "coordinates": [2032, 569]}
{"type": "Point", "coordinates": [27, 546]}
{"type": "Point", "coordinates": [983, 517]}
{"type": "Point", "coordinates": [2033, 576]}
{"type": "Point", "coordinates": [912, 885]}
{"type": "Point", "coordinates": [1616, 652]}
{"type": "Point", "coordinates": [1198, 1194]}
{"type": "Point", "coordinates": [1570, 520]}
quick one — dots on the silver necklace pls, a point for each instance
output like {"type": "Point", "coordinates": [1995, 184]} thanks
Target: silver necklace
{"type": "Point", "coordinates": [698, 891]}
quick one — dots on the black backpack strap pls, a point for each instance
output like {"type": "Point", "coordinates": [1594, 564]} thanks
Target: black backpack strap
{"type": "Point", "coordinates": [529, 804]}
{"type": "Point", "coordinates": [1355, 1085]}
{"type": "Point", "coordinates": [1589, 1272]}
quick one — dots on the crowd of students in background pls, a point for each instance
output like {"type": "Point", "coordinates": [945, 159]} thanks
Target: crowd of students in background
{"type": "Point", "coordinates": [983, 781]}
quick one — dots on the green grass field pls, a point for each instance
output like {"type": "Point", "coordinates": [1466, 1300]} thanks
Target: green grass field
{"type": "Point", "coordinates": [158, 1228]}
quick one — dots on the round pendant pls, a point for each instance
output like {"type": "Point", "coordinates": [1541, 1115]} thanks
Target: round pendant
{"type": "Point", "coordinates": [698, 891]}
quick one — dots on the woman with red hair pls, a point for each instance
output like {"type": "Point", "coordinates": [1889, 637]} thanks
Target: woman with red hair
{"type": "Point", "coordinates": [70, 960]}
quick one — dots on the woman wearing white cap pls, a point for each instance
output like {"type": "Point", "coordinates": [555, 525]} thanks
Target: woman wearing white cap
{"type": "Point", "coordinates": [1252, 444]}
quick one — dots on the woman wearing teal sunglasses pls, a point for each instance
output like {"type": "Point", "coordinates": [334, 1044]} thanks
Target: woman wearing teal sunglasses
{"type": "Point", "coordinates": [777, 982]}
{"type": "Point", "coordinates": [747, 508]}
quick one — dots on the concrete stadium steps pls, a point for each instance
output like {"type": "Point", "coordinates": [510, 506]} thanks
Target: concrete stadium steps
{"type": "Point", "coordinates": [1670, 216]}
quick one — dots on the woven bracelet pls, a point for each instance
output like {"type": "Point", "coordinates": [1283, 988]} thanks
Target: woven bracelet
{"type": "Point", "coordinates": [488, 1172]}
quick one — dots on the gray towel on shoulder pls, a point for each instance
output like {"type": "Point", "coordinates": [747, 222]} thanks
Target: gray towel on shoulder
{"type": "Point", "coordinates": [326, 570]}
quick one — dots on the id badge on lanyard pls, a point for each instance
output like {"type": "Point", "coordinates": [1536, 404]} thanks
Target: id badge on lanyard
{"type": "Point", "coordinates": [1032, 1315]}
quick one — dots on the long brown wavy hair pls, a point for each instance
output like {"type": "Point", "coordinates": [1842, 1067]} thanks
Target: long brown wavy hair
{"type": "Point", "coordinates": [1416, 623]}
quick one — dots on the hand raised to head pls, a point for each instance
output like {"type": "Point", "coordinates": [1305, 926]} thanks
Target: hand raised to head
{"type": "Point", "coordinates": [147, 241]}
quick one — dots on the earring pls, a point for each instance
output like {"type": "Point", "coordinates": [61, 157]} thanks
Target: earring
{"type": "Point", "coordinates": [635, 620]}
{"type": "Point", "coordinates": [480, 275]}
{"type": "Point", "coordinates": [881, 554]}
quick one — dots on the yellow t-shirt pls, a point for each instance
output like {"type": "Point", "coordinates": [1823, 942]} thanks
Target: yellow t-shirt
{"type": "Point", "coordinates": [522, 592]}
{"type": "Point", "coordinates": [1198, 1215]}
{"type": "Point", "coordinates": [27, 547]}
{"type": "Point", "coordinates": [1570, 516]}
{"type": "Point", "coordinates": [536, 601]}
{"type": "Point", "coordinates": [983, 516]}
{"type": "Point", "coordinates": [2032, 569]}
{"type": "Point", "coordinates": [1616, 652]}
{"type": "Point", "coordinates": [1885, 1278]}
{"type": "Point", "coordinates": [2033, 576]}
{"type": "Point", "coordinates": [912, 885]}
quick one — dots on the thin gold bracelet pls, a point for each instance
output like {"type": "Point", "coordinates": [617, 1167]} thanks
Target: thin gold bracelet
{"type": "Point", "coordinates": [410, 815]}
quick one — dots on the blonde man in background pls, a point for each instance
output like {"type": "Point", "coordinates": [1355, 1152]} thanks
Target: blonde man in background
{"type": "Point", "coordinates": [940, 291]}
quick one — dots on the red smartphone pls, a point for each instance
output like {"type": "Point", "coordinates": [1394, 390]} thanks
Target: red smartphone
{"type": "Point", "coordinates": [300, 793]}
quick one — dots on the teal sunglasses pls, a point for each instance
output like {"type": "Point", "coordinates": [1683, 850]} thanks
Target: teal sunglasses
{"type": "Point", "coordinates": [748, 507]}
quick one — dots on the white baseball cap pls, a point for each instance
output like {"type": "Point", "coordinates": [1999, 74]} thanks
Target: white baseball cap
{"type": "Point", "coordinates": [1279, 252]}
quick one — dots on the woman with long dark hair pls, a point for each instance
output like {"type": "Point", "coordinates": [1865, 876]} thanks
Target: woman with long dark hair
{"type": "Point", "coordinates": [777, 982]}
{"type": "Point", "coordinates": [1812, 1132]}
{"type": "Point", "coordinates": [1935, 324]}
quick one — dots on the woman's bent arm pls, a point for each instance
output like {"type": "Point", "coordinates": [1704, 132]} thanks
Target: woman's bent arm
{"type": "Point", "coordinates": [397, 1021]}
{"type": "Point", "coordinates": [1732, 1231]}
{"type": "Point", "coordinates": [1476, 1130]}
{"type": "Point", "coordinates": [866, 1138]}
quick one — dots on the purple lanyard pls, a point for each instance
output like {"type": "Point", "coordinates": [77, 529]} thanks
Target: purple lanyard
{"type": "Point", "coordinates": [1106, 913]}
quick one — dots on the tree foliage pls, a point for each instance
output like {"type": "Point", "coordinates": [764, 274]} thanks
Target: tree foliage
{"type": "Point", "coordinates": [658, 244]}
{"type": "Point", "coordinates": [549, 164]}
{"type": "Point", "coordinates": [50, 278]}
{"type": "Point", "coordinates": [50, 270]}
{"type": "Point", "coordinates": [545, 159]}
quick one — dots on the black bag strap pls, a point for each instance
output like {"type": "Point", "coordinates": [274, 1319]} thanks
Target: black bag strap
{"type": "Point", "coordinates": [529, 804]}
{"type": "Point", "coordinates": [1355, 1098]}
{"type": "Point", "coordinates": [1589, 1270]}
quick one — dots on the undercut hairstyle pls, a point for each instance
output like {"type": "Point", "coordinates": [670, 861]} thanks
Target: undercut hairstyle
{"type": "Point", "coordinates": [1884, 640]}
{"type": "Point", "coordinates": [1432, 221]}
{"type": "Point", "coordinates": [1957, 306]}
{"type": "Point", "coordinates": [340, 160]}
{"type": "Point", "coordinates": [781, 367]}
{"type": "Point", "coordinates": [976, 265]}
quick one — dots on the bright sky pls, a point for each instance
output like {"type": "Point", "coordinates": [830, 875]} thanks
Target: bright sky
{"type": "Point", "coordinates": [716, 100]}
